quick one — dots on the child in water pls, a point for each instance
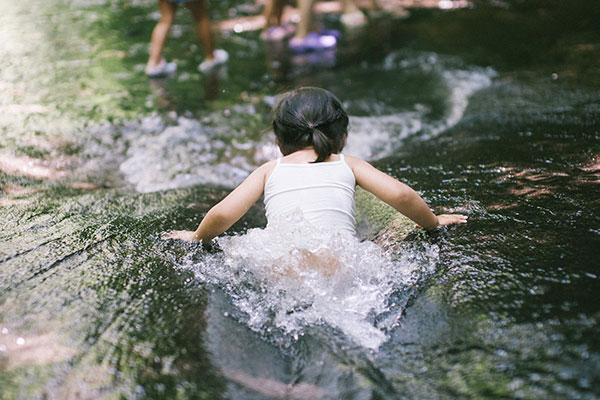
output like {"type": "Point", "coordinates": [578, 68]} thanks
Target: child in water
{"type": "Point", "coordinates": [313, 176]}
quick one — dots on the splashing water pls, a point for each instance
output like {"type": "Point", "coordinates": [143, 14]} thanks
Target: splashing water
{"type": "Point", "coordinates": [374, 137]}
{"type": "Point", "coordinates": [290, 275]}
{"type": "Point", "coordinates": [223, 147]}
{"type": "Point", "coordinates": [173, 149]}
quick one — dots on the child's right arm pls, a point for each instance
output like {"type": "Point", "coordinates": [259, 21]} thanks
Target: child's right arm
{"type": "Point", "coordinates": [229, 210]}
{"type": "Point", "coordinates": [398, 195]}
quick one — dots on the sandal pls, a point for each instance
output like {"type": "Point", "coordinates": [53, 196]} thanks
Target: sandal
{"type": "Point", "coordinates": [313, 42]}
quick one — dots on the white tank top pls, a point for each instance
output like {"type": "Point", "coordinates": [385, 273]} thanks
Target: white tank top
{"type": "Point", "coordinates": [323, 192]}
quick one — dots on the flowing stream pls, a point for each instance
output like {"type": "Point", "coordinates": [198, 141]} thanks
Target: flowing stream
{"type": "Point", "coordinates": [97, 161]}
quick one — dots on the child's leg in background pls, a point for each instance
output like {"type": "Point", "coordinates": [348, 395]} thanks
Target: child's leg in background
{"type": "Point", "coordinates": [275, 29]}
{"type": "Point", "coordinates": [272, 13]}
{"type": "Point", "coordinates": [352, 16]}
{"type": "Point", "coordinates": [306, 23]}
{"type": "Point", "coordinates": [349, 6]}
{"type": "Point", "coordinates": [201, 17]}
{"type": "Point", "coordinates": [161, 30]}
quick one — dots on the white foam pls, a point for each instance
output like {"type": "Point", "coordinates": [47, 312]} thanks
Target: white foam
{"type": "Point", "coordinates": [371, 138]}
{"type": "Point", "coordinates": [272, 279]}
{"type": "Point", "coordinates": [379, 136]}
{"type": "Point", "coordinates": [190, 153]}
{"type": "Point", "coordinates": [155, 154]}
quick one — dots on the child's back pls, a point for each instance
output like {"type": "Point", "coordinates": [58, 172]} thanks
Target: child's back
{"type": "Point", "coordinates": [323, 192]}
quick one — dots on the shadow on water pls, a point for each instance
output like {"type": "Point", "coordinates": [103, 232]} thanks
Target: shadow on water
{"type": "Point", "coordinates": [491, 110]}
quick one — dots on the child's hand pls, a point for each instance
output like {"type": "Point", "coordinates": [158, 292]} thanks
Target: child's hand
{"type": "Point", "coordinates": [186, 236]}
{"type": "Point", "coordinates": [449, 219]}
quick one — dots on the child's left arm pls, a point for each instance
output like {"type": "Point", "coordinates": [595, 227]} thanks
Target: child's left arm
{"type": "Point", "coordinates": [400, 196]}
{"type": "Point", "coordinates": [229, 210]}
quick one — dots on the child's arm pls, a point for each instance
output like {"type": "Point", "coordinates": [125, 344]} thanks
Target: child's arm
{"type": "Point", "coordinates": [229, 210]}
{"type": "Point", "coordinates": [398, 195]}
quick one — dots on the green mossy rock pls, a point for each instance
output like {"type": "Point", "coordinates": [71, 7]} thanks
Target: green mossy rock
{"type": "Point", "coordinates": [380, 222]}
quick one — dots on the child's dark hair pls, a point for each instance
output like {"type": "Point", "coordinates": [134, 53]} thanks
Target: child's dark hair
{"type": "Point", "coordinates": [310, 116]}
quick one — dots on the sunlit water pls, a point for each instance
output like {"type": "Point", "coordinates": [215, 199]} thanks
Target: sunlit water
{"type": "Point", "coordinates": [93, 304]}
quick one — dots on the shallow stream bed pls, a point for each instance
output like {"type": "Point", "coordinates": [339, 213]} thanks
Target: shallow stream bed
{"type": "Point", "coordinates": [489, 111]}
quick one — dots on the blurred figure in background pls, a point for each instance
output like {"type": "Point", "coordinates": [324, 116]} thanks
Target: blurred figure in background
{"type": "Point", "coordinates": [306, 36]}
{"type": "Point", "coordinates": [275, 29]}
{"type": "Point", "coordinates": [157, 65]}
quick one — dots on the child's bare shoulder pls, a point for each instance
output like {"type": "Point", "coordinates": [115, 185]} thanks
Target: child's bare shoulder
{"type": "Point", "coordinates": [269, 165]}
{"type": "Point", "coordinates": [354, 162]}
{"type": "Point", "coordinates": [267, 168]}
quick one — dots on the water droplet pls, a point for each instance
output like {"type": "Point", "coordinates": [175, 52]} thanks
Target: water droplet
{"type": "Point", "coordinates": [20, 341]}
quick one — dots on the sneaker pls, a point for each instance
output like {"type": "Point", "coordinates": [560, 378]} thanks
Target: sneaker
{"type": "Point", "coordinates": [164, 68]}
{"type": "Point", "coordinates": [220, 57]}
{"type": "Point", "coordinates": [313, 42]}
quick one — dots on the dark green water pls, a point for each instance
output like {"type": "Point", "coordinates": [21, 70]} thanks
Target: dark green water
{"type": "Point", "coordinates": [491, 111]}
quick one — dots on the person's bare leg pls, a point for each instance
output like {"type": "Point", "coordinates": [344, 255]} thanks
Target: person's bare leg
{"type": "Point", "coordinates": [274, 29]}
{"type": "Point", "coordinates": [272, 13]}
{"type": "Point", "coordinates": [278, 12]}
{"type": "Point", "coordinates": [306, 18]}
{"type": "Point", "coordinates": [352, 15]}
{"type": "Point", "coordinates": [349, 6]}
{"type": "Point", "coordinates": [161, 30]}
{"type": "Point", "coordinates": [200, 13]}
{"type": "Point", "coordinates": [268, 13]}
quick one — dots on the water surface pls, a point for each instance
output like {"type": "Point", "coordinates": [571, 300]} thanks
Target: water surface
{"type": "Point", "coordinates": [477, 115]}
